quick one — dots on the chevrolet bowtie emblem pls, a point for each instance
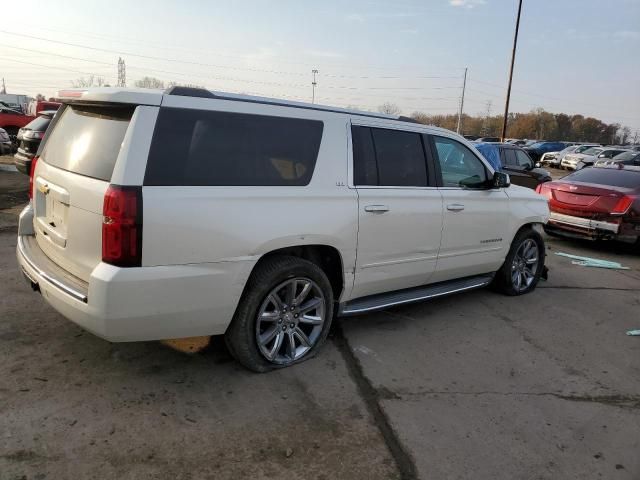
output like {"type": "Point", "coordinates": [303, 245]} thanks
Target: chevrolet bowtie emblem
{"type": "Point", "coordinates": [44, 189]}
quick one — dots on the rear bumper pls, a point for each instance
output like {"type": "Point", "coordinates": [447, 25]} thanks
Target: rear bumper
{"type": "Point", "coordinates": [585, 227]}
{"type": "Point", "coordinates": [138, 304]}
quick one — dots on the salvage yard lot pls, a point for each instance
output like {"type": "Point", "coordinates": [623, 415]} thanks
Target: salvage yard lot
{"type": "Point", "coordinates": [470, 386]}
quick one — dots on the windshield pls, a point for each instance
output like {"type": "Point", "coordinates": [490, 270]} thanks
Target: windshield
{"type": "Point", "coordinates": [569, 149]}
{"type": "Point", "coordinates": [582, 148]}
{"type": "Point", "coordinates": [626, 156]}
{"type": "Point", "coordinates": [40, 124]}
{"type": "Point", "coordinates": [592, 151]}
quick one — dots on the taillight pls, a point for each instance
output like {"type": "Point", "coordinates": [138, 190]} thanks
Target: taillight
{"type": "Point", "coordinates": [623, 205]}
{"type": "Point", "coordinates": [122, 226]}
{"type": "Point", "coordinates": [32, 170]}
{"type": "Point", "coordinates": [544, 190]}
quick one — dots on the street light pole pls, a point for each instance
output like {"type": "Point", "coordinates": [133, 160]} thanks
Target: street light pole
{"type": "Point", "coordinates": [513, 58]}
{"type": "Point", "coordinates": [313, 86]}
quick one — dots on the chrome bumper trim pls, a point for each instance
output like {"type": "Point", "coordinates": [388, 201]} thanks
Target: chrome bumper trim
{"type": "Point", "coordinates": [49, 278]}
{"type": "Point", "coordinates": [583, 222]}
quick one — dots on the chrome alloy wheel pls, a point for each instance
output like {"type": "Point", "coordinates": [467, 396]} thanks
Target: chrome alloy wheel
{"type": "Point", "coordinates": [290, 320]}
{"type": "Point", "coordinates": [525, 265]}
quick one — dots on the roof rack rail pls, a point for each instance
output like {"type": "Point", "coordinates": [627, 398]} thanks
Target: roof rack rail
{"type": "Point", "coordinates": [403, 118]}
{"type": "Point", "coordinates": [189, 92]}
{"type": "Point", "coordinates": [204, 93]}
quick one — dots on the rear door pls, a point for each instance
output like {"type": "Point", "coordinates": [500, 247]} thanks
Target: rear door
{"type": "Point", "coordinates": [399, 211]}
{"type": "Point", "coordinates": [475, 218]}
{"type": "Point", "coordinates": [71, 177]}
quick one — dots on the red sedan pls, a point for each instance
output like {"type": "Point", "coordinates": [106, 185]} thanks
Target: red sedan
{"type": "Point", "coordinates": [596, 203]}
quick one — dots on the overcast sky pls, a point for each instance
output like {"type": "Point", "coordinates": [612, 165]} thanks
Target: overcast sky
{"type": "Point", "coordinates": [575, 56]}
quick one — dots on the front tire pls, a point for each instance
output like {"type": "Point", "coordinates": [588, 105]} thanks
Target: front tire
{"type": "Point", "coordinates": [523, 266]}
{"type": "Point", "coordinates": [284, 315]}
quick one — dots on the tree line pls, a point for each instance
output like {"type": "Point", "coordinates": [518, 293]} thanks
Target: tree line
{"type": "Point", "coordinates": [537, 124]}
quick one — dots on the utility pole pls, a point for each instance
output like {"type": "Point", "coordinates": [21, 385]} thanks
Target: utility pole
{"type": "Point", "coordinates": [464, 86]}
{"type": "Point", "coordinates": [513, 58]}
{"type": "Point", "coordinates": [314, 72]}
{"type": "Point", "coordinates": [122, 73]}
{"type": "Point", "coordinates": [4, 88]}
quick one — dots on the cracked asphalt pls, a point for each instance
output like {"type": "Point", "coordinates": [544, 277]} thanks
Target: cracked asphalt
{"type": "Point", "coordinates": [474, 386]}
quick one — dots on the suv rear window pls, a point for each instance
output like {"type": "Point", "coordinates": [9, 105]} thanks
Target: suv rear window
{"type": "Point", "coordinates": [201, 147]}
{"type": "Point", "coordinates": [40, 124]}
{"type": "Point", "coordinates": [86, 140]}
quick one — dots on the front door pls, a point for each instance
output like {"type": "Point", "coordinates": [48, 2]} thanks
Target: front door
{"type": "Point", "coordinates": [400, 213]}
{"type": "Point", "coordinates": [475, 218]}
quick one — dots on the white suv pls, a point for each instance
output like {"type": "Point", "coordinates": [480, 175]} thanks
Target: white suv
{"type": "Point", "coordinates": [162, 215]}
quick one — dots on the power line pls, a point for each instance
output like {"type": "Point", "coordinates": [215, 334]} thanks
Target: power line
{"type": "Point", "coordinates": [188, 62]}
{"type": "Point", "coordinates": [233, 56]}
{"type": "Point", "coordinates": [48, 66]}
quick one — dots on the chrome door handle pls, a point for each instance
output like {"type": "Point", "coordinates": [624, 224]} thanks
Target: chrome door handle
{"type": "Point", "coordinates": [376, 208]}
{"type": "Point", "coordinates": [455, 207]}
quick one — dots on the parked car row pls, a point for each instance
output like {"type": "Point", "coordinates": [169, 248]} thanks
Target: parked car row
{"type": "Point", "coordinates": [588, 157]}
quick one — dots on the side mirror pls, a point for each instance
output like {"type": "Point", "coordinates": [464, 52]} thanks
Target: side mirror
{"type": "Point", "coordinates": [501, 180]}
{"type": "Point", "coordinates": [538, 165]}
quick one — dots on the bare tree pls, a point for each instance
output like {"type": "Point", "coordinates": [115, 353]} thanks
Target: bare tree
{"type": "Point", "coordinates": [149, 82]}
{"type": "Point", "coordinates": [389, 108]}
{"type": "Point", "coordinates": [90, 81]}
{"type": "Point", "coordinates": [624, 135]}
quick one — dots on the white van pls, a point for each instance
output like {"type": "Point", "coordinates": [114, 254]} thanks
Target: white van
{"type": "Point", "coordinates": [161, 215]}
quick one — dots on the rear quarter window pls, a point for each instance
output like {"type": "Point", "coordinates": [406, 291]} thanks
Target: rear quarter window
{"type": "Point", "coordinates": [201, 147]}
{"type": "Point", "coordinates": [87, 140]}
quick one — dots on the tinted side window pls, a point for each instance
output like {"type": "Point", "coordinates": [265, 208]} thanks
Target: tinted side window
{"type": "Point", "coordinates": [400, 158]}
{"type": "Point", "coordinates": [510, 157]}
{"type": "Point", "coordinates": [198, 147]}
{"type": "Point", "coordinates": [523, 159]}
{"type": "Point", "coordinates": [365, 170]}
{"type": "Point", "coordinates": [458, 165]}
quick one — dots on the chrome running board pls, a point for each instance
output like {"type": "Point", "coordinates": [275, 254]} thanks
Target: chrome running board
{"type": "Point", "coordinates": [411, 295]}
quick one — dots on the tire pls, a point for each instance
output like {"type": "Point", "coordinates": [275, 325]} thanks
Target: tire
{"type": "Point", "coordinates": [519, 256]}
{"type": "Point", "coordinates": [261, 313]}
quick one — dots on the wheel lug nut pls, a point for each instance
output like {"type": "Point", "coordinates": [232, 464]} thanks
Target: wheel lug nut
{"type": "Point", "coordinates": [295, 315]}
{"type": "Point", "coordinates": [284, 327]}
{"type": "Point", "coordinates": [279, 320]}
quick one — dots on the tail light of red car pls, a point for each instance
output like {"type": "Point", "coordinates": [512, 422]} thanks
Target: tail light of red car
{"type": "Point", "coordinates": [32, 170]}
{"type": "Point", "coordinates": [623, 205]}
{"type": "Point", "coordinates": [544, 190]}
{"type": "Point", "coordinates": [122, 226]}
